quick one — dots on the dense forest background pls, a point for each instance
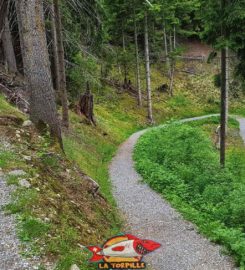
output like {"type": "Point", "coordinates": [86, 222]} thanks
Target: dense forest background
{"type": "Point", "coordinates": [87, 44]}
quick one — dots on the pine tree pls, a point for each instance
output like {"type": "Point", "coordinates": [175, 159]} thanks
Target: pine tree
{"type": "Point", "coordinates": [147, 68]}
{"type": "Point", "coordinates": [8, 47]}
{"type": "Point", "coordinates": [37, 66]}
{"type": "Point", "coordinates": [61, 64]}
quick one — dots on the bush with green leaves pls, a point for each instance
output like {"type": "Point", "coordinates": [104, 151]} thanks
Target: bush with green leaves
{"type": "Point", "coordinates": [85, 70]}
{"type": "Point", "coordinates": [180, 162]}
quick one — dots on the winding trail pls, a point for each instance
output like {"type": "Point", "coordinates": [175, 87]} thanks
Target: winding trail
{"type": "Point", "coordinates": [149, 216]}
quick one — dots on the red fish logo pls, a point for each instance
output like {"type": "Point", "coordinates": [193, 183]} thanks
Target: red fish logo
{"type": "Point", "coordinates": [120, 249]}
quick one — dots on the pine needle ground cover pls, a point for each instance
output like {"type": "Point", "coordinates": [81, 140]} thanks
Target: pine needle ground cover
{"type": "Point", "coordinates": [181, 162]}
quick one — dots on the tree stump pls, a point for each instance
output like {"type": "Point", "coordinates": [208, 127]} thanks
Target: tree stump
{"type": "Point", "coordinates": [86, 106]}
{"type": "Point", "coordinates": [163, 88]}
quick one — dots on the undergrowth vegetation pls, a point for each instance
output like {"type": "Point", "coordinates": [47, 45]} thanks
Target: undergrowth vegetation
{"type": "Point", "coordinates": [181, 162]}
{"type": "Point", "coordinates": [59, 210]}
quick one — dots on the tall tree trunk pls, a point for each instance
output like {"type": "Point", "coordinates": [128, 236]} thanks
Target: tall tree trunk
{"type": "Point", "coordinates": [166, 50]}
{"type": "Point", "coordinates": [124, 62]}
{"type": "Point", "coordinates": [8, 48]}
{"type": "Point", "coordinates": [174, 37]}
{"type": "Point", "coordinates": [3, 14]}
{"type": "Point", "coordinates": [227, 87]}
{"type": "Point", "coordinates": [224, 92]}
{"type": "Point", "coordinates": [37, 66]}
{"type": "Point", "coordinates": [62, 73]}
{"type": "Point", "coordinates": [172, 69]}
{"type": "Point", "coordinates": [170, 42]}
{"type": "Point", "coordinates": [171, 86]}
{"type": "Point", "coordinates": [55, 50]}
{"type": "Point", "coordinates": [137, 62]}
{"type": "Point", "coordinates": [148, 73]}
{"type": "Point", "coordinates": [223, 118]}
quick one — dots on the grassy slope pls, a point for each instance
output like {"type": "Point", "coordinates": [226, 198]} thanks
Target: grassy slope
{"type": "Point", "coordinates": [78, 219]}
{"type": "Point", "coordinates": [59, 210]}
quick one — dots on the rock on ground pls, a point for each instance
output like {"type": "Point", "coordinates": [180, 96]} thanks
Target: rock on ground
{"type": "Point", "coordinates": [74, 267]}
{"type": "Point", "coordinates": [17, 173]}
{"type": "Point", "coordinates": [24, 183]}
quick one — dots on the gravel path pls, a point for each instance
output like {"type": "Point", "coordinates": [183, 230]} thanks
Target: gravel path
{"type": "Point", "coordinates": [10, 259]}
{"type": "Point", "coordinates": [149, 216]}
{"type": "Point", "coordinates": [242, 127]}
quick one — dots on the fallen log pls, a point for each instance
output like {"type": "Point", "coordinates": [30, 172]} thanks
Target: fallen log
{"type": "Point", "coordinates": [122, 88]}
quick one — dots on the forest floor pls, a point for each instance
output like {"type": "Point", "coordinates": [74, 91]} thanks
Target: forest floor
{"type": "Point", "coordinates": [195, 48]}
{"type": "Point", "coordinates": [149, 216]}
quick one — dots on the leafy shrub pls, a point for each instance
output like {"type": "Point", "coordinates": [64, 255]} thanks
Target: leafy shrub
{"type": "Point", "coordinates": [85, 70]}
{"type": "Point", "coordinates": [32, 228]}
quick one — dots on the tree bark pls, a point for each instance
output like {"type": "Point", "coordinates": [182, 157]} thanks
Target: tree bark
{"type": "Point", "coordinates": [223, 118]}
{"type": "Point", "coordinates": [172, 69]}
{"type": "Point", "coordinates": [170, 42]}
{"type": "Point", "coordinates": [8, 47]}
{"type": "Point", "coordinates": [137, 62]}
{"type": "Point", "coordinates": [174, 37]}
{"type": "Point", "coordinates": [148, 72]}
{"type": "Point", "coordinates": [3, 14]}
{"type": "Point", "coordinates": [55, 51]}
{"type": "Point", "coordinates": [171, 86]}
{"type": "Point", "coordinates": [37, 66]}
{"type": "Point", "coordinates": [62, 73]}
{"type": "Point", "coordinates": [227, 87]}
{"type": "Point", "coordinates": [124, 61]}
{"type": "Point", "coordinates": [166, 50]}
{"type": "Point", "coordinates": [224, 91]}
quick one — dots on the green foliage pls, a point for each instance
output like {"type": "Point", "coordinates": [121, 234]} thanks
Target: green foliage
{"type": "Point", "coordinates": [178, 101]}
{"type": "Point", "coordinates": [85, 70]}
{"type": "Point", "coordinates": [51, 161]}
{"type": "Point", "coordinates": [7, 109]}
{"type": "Point", "coordinates": [183, 165]}
{"type": "Point", "coordinates": [31, 228]}
{"type": "Point", "coordinates": [6, 156]}
{"type": "Point", "coordinates": [229, 16]}
{"type": "Point", "coordinates": [75, 257]}
{"type": "Point", "coordinates": [13, 180]}
{"type": "Point", "coordinates": [23, 202]}
{"type": "Point", "coordinates": [125, 59]}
